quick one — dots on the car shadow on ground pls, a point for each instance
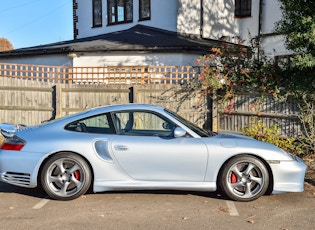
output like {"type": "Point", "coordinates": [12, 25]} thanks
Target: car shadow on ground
{"type": "Point", "coordinates": [34, 192]}
{"type": "Point", "coordinates": [40, 193]}
{"type": "Point", "coordinates": [311, 181]}
{"type": "Point", "coordinates": [213, 195]}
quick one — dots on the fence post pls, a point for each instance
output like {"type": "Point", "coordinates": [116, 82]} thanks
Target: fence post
{"type": "Point", "coordinates": [58, 99]}
{"type": "Point", "coordinates": [133, 94]}
{"type": "Point", "coordinates": [214, 113]}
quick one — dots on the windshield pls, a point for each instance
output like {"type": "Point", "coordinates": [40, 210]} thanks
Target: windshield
{"type": "Point", "coordinates": [201, 132]}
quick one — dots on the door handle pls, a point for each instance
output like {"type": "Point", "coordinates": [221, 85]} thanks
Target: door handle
{"type": "Point", "coordinates": [120, 147]}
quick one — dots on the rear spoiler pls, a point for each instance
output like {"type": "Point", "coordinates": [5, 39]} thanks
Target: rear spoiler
{"type": "Point", "coordinates": [8, 129]}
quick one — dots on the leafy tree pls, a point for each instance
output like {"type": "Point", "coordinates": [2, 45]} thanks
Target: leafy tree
{"type": "Point", "coordinates": [298, 26]}
{"type": "Point", "coordinates": [231, 70]}
{"type": "Point", "coordinates": [5, 45]}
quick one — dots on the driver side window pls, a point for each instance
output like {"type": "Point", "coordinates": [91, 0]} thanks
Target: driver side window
{"type": "Point", "coordinates": [141, 123]}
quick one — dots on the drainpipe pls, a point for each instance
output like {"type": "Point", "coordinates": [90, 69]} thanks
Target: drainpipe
{"type": "Point", "coordinates": [201, 19]}
{"type": "Point", "coordinates": [75, 18]}
{"type": "Point", "coordinates": [260, 18]}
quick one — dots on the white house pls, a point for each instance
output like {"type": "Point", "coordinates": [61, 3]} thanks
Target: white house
{"type": "Point", "coordinates": [247, 19]}
{"type": "Point", "coordinates": [220, 19]}
{"type": "Point", "coordinates": [156, 32]}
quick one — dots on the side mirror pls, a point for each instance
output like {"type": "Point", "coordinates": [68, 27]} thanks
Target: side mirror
{"type": "Point", "coordinates": [179, 132]}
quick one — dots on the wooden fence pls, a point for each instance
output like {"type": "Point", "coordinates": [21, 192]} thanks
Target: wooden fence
{"type": "Point", "coordinates": [31, 102]}
{"type": "Point", "coordinates": [245, 110]}
{"type": "Point", "coordinates": [31, 94]}
{"type": "Point", "coordinates": [117, 75]}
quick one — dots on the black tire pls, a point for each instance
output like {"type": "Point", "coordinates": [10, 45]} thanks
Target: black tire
{"type": "Point", "coordinates": [244, 178]}
{"type": "Point", "coordinates": [66, 176]}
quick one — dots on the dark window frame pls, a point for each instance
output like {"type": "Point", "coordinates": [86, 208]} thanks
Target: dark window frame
{"type": "Point", "coordinates": [126, 127]}
{"type": "Point", "coordinates": [284, 60]}
{"type": "Point", "coordinates": [243, 8]}
{"type": "Point", "coordinates": [97, 15]}
{"type": "Point", "coordinates": [143, 17]}
{"type": "Point", "coordinates": [93, 124]}
{"type": "Point", "coordinates": [115, 14]}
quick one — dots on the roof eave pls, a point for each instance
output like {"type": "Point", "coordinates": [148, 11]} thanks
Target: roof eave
{"type": "Point", "coordinates": [63, 51]}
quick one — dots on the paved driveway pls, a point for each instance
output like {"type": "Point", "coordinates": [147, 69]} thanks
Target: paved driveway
{"type": "Point", "coordinates": [30, 209]}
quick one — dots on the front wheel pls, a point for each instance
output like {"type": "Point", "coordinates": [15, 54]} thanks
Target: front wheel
{"type": "Point", "coordinates": [66, 176]}
{"type": "Point", "coordinates": [244, 178]}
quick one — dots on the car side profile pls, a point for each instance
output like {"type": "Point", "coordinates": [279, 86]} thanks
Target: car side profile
{"type": "Point", "coordinates": [143, 147]}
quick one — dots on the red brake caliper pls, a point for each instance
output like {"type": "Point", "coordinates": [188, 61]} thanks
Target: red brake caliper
{"type": "Point", "coordinates": [233, 178]}
{"type": "Point", "coordinates": [77, 175]}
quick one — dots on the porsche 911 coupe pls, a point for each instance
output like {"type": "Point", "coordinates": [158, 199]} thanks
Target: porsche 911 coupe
{"type": "Point", "coordinates": [143, 147]}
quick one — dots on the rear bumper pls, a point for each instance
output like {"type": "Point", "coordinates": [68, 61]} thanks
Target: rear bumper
{"type": "Point", "coordinates": [288, 176]}
{"type": "Point", "coordinates": [20, 168]}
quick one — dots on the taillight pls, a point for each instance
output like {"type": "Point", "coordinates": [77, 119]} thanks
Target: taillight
{"type": "Point", "coordinates": [13, 143]}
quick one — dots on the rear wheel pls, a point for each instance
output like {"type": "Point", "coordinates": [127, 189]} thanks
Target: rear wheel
{"type": "Point", "coordinates": [244, 178]}
{"type": "Point", "coordinates": [66, 176]}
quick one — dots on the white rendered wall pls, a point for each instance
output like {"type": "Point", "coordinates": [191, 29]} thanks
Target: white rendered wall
{"type": "Point", "coordinates": [274, 46]}
{"type": "Point", "coordinates": [97, 59]}
{"type": "Point", "coordinates": [219, 20]}
{"type": "Point", "coordinates": [52, 60]}
{"type": "Point", "coordinates": [188, 18]}
{"type": "Point", "coordinates": [163, 16]}
{"type": "Point", "coordinates": [271, 14]}
{"type": "Point", "coordinates": [136, 59]}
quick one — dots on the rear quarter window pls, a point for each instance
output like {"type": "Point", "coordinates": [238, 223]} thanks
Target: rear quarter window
{"type": "Point", "coordinates": [97, 124]}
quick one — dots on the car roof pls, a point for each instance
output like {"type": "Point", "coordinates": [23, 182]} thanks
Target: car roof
{"type": "Point", "coordinates": [106, 109]}
{"type": "Point", "coordinates": [129, 106]}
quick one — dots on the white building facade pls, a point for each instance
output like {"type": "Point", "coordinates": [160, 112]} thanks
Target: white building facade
{"type": "Point", "coordinates": [220, 19]}
{"type": "Point", "coordinates": [205, 20]}
{"type": "Point", "coordinates": [95, 17]}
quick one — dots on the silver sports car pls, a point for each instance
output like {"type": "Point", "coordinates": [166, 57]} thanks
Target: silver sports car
{"type": "Point", "coordinates": [143, 147]}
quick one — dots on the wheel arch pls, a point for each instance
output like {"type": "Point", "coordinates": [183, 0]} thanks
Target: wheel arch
{"type": "Point", "coordinates": [271, 179]}
{"type": "Point", "coordinates": [53, 154]}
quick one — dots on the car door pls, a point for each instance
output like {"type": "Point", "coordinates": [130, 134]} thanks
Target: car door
{"type": "Point", "coordinates": [146, 149]}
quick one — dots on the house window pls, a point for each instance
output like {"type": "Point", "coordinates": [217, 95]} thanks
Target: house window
{"type": "Point", "coordinates": [284, 60]}
{"type": "Point", "coordinates": [144, 10]}
{"type": "Point", "coordinates": [97, 13]}
{"type": "Point", "coordinates": [119, 11]}
{"type": "Point", "coordinates": [243, 8]}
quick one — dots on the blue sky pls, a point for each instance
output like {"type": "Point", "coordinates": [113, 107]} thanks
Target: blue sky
{"type": "Point", "coordinates": [28, 23]}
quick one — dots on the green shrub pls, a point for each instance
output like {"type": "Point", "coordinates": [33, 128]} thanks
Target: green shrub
{"type": "Point", "coordinates": [256, 129]}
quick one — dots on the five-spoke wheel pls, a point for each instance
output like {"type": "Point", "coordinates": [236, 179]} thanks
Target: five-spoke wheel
{"type": "Point", "coordinates": [244, 178]}
{"type": "Point", "coordinates": [66, 176]}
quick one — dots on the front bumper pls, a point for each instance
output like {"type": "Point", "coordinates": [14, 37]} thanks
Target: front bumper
{"type": "Point", "coordinates": [288, 176]}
